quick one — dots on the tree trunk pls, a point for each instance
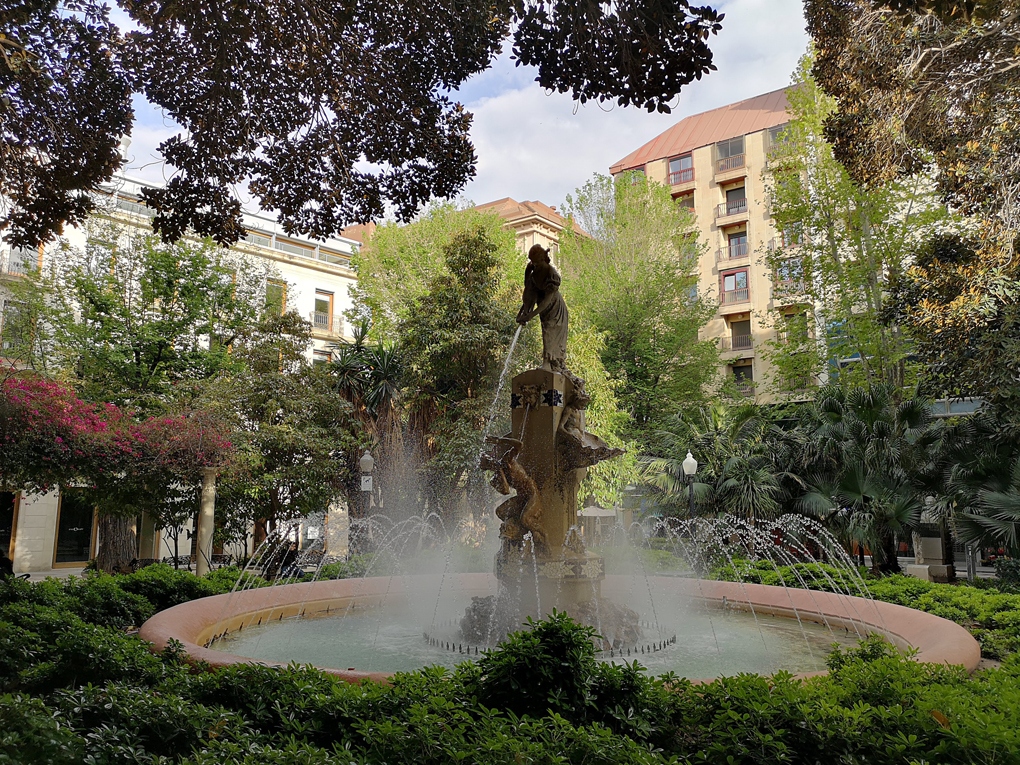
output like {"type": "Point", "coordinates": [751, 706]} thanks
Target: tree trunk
{"type": "Point", "coordinates": [117, 544]}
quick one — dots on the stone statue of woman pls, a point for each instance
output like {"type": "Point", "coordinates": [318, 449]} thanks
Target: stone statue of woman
{"type": "Point", "coordinates": [542, 298]}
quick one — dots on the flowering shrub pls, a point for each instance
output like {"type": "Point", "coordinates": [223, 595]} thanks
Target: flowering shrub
{"type": "Point", "coordinates": [49, 436]}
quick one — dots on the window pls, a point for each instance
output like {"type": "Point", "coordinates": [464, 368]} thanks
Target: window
{"type": "Point", "coordinates": [736, 245]}
{"type": "Point", "coordinates": [636, 175]}
{"type": "Point", "coordinates": [15, 328]}
{"type": "Point", "coordinates": [729, 154]}
{"type": "Point", "coordinates": [74, 528]}
{"type": "Point", "coordinates": [789, 271]}
{"type": "Point", "coordinates": [779, 134]}
{"type": "Point", "coordinates": [322, 317]}
{"type": "Point", "coordinates": [295, 249]}
{"type": "Point", "coordinates": [259, 239]}
{"type": "Point", "coordinates": [22, 260]}
{"type": "Point", "coordinates": [276, 297]}
{"type": "Point", "coordinates": [736, 201]}
{"type": "Point", "coordinates": [794, 329]}
{"type": "Point", "coordinates": [734, 287]}
{"type": "Point", "coordinates": [732, 148]}
{"type": "Point", "coordinates": [740, 335]}
{"type": "Point", "coordinates": [686, 201]}
{"type": "Point", "coordinates": [681, 169]}
{"type": "Point", "coordinates": [320, 357]}
{"type": "Point", "coordinates": [743, 376]}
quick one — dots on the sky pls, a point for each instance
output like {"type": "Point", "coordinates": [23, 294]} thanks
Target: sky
{"type": "Point", "coordinates": [533, 145]}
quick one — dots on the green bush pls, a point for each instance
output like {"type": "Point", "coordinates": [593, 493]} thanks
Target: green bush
{"type": "Point", "coordinates": [1008, 570]}
{"type": "Point", "coordinates": [97, 599]}
{"type": "Point", "coordinates": [29, 733]}
{"type": "Point", "coordinates": [164, 586]}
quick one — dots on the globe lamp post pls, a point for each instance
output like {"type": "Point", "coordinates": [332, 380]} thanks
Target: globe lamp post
{"type": "Point", "coordinates": [690, 466]}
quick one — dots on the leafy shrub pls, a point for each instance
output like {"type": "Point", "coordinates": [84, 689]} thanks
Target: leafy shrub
{"type": "Point", "coordinates": [547, 667]}
{"type": "Point", "coordinates": [1008, 570]}
{"type": "Point", "coordinates": [96, 599]}
{"type": "Point", "coordinates": [29, 733]}
{"type": "Point", "coordinates": [66, 652]}
{"type": "Point", "coordinates": [164, 586]}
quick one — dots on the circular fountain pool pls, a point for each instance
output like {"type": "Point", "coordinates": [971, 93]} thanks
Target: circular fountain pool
{"type": "Point", "coordinates": [380, 629]}
{"type": "Point", "coordinates": [708, 644]}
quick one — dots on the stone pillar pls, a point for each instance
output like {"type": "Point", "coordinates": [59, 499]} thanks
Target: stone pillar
{"type": "Point", "coordinates": [564, 574]}
{"type": "Point", "coordinates": [206, 521]}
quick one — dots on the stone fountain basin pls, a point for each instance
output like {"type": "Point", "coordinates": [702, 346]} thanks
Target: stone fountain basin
{"type": "Point", "coordinates": [196, 623]}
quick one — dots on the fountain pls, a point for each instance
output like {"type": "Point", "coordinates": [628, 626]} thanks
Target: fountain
{"type": "Point", "coordinates": [542, 564]}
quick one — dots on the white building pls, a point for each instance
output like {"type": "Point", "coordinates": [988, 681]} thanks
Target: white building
{"type": "Point", "coordinates": [57, 530]}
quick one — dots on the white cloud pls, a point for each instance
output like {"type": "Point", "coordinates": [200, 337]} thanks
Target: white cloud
{"type": "Point", "coordinates": [535, 145]}
{"type": "Point", "coordinates": [532, 145]}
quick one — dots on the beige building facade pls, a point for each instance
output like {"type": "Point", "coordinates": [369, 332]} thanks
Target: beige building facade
{"type": "Point", "coordinates": [715, 163]}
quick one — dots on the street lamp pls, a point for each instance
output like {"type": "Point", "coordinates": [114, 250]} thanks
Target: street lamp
{"type": "Point", "coordinates": [366, 464]}
{"type": "Point", "coordinates": [690, 466]}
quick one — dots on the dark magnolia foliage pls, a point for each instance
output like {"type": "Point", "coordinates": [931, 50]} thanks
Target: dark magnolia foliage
{"type": "Point", "coordinates": [935, 81]}
{"type": "Point", "coordinates": [328, 111]}
{"type": "Point", "coordinates": [65, 101]}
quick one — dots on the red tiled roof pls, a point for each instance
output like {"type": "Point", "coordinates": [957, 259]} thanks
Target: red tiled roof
{"type": "Point", "coordinates": [741, 118]}
{"type": "Point", "coordinates": [510, 209]}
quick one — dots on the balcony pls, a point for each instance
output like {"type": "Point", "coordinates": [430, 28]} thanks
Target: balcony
{"type": "Point", "coordinates": [745, 388]}
{"type": "Point", "coordinates": [732, 252]}
{"type": "Point", "coordinates": [736, 343]}
{"type": "Point", "coordinates": [681, 176]}
{"type": "Point", "coordinates": [729, 163]}
{"type": "Point", "coordinates": [731, 297]}
{"type": "Point", "coordinates": [777, 243]}
{"type": "Point", "coordinates": [789, 292]}
{"type": "Point", "coordinates": [731, 207]}
{"type": "Point", "coordinates": [328, 323]}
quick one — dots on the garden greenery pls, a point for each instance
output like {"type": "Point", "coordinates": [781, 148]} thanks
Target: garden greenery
{"type": "Point", "coordinates": [992, 616]}
{"type": "Point", "coordinates": [74, 687]}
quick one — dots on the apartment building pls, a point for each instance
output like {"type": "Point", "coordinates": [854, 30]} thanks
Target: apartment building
{"type": "Point", "coordinates": [58, 530]}
{"type": "Point", "coordinates": [713, 164]}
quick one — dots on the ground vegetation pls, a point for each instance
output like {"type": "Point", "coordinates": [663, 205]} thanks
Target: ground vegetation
{"type": "Point", "coordinates": [540, 697]}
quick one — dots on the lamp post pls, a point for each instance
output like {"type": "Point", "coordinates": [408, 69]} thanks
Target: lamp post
{"type": "Point", "coordinates": [690, 466]}
{"type": "Point", "coordinates": [366, 463]}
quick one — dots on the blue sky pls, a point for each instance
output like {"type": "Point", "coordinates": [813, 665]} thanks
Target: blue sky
{"type": "Point", "coordinates": [535, 145]}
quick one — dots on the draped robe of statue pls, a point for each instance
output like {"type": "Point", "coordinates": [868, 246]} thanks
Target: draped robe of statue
{"type": "Point", "coordinates": [542, 290]}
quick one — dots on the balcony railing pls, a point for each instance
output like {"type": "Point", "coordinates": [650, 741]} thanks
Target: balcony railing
{"type": "Point", "coordinates": [745, 387]}
{"type": "Point", "coordinates": [736, 343]}
{"type": "Point", "coordinates": [730, 297]}
{"type": "Point", "coordinates": [681, 176]}
{"type": "Point", "coordinates": [732, 252]}
{"type": "Point", "coordinates": [729, 163]}
{"type": "Point", "coordinates": [731, 207]}
{"type": "Point", "coordinates": [781, 243]}
{"type": "Point", "coordinates": [788, 289]}
{"type": "Point", "coordinates": [325, 322]}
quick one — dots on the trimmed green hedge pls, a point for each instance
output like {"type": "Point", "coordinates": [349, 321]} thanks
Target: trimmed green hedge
{"type": "Point", "coordinates": [993, 617]}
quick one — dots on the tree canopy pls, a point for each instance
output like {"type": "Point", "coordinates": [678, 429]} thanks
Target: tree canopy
{"type": "Point", "coordinates": [633, 278]}
{"type": "Point", "coordinates": [330, 113]}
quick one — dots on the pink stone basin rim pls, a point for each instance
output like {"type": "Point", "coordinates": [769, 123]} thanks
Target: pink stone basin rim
{"type": "Point", "coordinates": [194, 624]}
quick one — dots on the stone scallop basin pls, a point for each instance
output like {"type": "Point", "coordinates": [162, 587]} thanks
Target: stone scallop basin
{"type": "Point", "coordinates": [722, 627]}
